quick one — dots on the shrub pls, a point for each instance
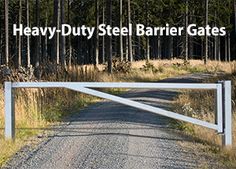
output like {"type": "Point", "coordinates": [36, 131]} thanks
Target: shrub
{"type": "Point", "coordinates": [149, 67]}
{"type": "Point", "coordinates": [119, 66]}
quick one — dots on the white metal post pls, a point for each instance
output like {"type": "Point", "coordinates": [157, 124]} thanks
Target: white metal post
{"type": "Point", "coordinates": [227, 138]}
{"type": "Point", "coordinates": [219, 107]}
{"type": "Point", "coordinates": [9, 112]}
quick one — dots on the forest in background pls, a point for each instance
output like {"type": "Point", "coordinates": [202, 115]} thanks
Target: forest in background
{"type": "Point", "coordinates": [24, 51]}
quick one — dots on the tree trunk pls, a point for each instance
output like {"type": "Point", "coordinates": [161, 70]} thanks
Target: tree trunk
{"type": "Point", "coordinates": [215, 47]}
{"type": "Point", "coordinates": [63, 40]}
{"type": "Point", "coordinates": [229, 47]}
{"type": "Point", "coordinates": [159, 46]}
{"type": "Point", "coordinates": [28, 37]}
{"type": "Point", "coordinates": [171, 47]}
{"type": "Point", "coordinates": [80, 48]}
{"type": "Point", "coordinates": [54, 43]}
{"type": "Point", "coordinates": [191, 45]}
{"type": "Point", "coordinates": [121, 37]}
{"type": "Point", "coordinates": [19, 39]}
{"type": "Point", "coordinates": [45, 44]}
{"type": "Point", "coordinates": [97, 34]}
{"type": "Point", "coordinates": [69, 39]}
{"type": "Point", "coordinates": [130, 52]}
{"type": "Point", "coordinates": [228, 37]}
{"type": "Point", "coordinates": [56, 38]}
{"type": "Point", "coordinates": [215, 40]}
{"type": "Point", "coordinates": [6, 34]}
{"type": "Point", "coordinates": [186, 33]}
{"type": "Point", "coordinates": [226, 50]}
{"type": "Point", "coordinates": [147, 37]}
{"type": "Point", "coordinates": [58, 34]}
{"type": "Point", "coordinates": [202, 49]}
{"type": "Point", "coordinates": [147, 49]}
{"type": "Point", "coordinates": [206, 37]}
{"type": "Point", "coordinates": [1, 32]}
{"type": "Point", "coordinates": [109, 38]}
{"type": "Point", "coordinates": [139, 46]}
{"type": "Point", "coordinates": [154, 39]}
{"type": "Point", "coordinates": [37, 49]}
{"type": "Point", "coordinates": [103, 38]}
{"type": "Point", "coordinates": [191, 39]}
{"type": "Point", "coordinates": [219, 49]}
{"type": "Point", "coordinates": [235, 16]}
{"type": "Point", "coordinates": [177, 47]}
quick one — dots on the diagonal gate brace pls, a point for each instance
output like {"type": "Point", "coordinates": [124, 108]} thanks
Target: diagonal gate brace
{"type": "Point", "coordinates": [145, 107]}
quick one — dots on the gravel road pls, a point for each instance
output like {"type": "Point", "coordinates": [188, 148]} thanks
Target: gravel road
{"type": "Point", "coordinates": [108, 135]}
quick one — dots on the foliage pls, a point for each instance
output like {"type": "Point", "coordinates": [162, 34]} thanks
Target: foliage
{"type": "Point", "coordinates": [21, 74]}
{"type": "Point", "coordinates": [149, 67]}
{"type": "Point", "coordinates": [120, 66]}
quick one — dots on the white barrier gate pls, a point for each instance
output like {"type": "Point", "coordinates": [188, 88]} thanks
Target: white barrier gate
{"type": "Point", "coordinates": [223, 122]}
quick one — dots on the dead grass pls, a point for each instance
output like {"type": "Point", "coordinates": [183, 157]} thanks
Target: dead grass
{"type": "Point", "coordinates": [36, 108]}
{"type": "Point", "coordinates": [189, 103]}
{"type": "Point", "coordinates": [211, 66]}
{"type": "Point", "coordinates": [8, 148]}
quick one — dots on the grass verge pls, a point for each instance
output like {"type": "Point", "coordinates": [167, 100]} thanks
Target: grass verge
{"type": "Point", "coordinates": [188, 103]}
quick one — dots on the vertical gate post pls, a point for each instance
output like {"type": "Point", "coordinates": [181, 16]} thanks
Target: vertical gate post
{"type": "Point", "coordinates": [219, 107]}
{"type": "Point", "coordinates": [9, 112]}
{"type": "Point", "coordinates": [227, 137]}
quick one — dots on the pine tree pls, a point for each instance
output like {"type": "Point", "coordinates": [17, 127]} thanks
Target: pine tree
{"type": "Point", "coordinates": [6, 34]}
{"type": "Point", "coordinates": [28, 37]}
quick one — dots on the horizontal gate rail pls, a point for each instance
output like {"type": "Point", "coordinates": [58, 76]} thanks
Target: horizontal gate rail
{"type": "Point", "coordinates": [115, 85]}
{"type": "Point", "coordinates": [223, 101]}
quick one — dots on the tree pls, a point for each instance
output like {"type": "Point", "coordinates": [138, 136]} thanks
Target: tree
{"type": "Point", "coordinates": [58, 34]}
{"type": "Point", "coordinates": [63, 41]}
{"type": "Point", "coordinates": [19, 38]}
{"type": "Point", "coordinates": [121, 37]}
{"type": "Point", "coordinates": [1, 39]}
{"type": "Point", "coordinates": [28, 37]}
{"type": "Point", "coordinates": [97, 33]}
{"type": "Point", "coordinates": [103, 38]}
{"type": "Point", "coordinates": [206, 37]}
{"type": "Point", "coordinates": [229, 47]}
{"type": "Point", "coordinates": [228, 34]}
{"type": "Point", "coordinates": [147, 37]}
{"type": "Point", "coordinates": [6, 34]}
{"type": "Point", "coordinates": [45, 44]}
{"type": "Point", "coordinates": [186, 33]}
{"type": "Point", "coordinates": [69, 39]}
{"type": "Point", "coordinates": [56, 23]}
{"type": "Point", "coordinates": [235, 16]}
{"type": "Point", "coordinates": [130, 52]}
{"type": "Point", "coordinates": [37, 43]}
{"type": "Point", "coordinates": [109, 38]}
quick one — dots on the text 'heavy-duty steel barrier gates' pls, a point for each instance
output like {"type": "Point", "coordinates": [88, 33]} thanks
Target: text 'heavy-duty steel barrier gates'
{"type": "Point", "coordinates": [223, 120]}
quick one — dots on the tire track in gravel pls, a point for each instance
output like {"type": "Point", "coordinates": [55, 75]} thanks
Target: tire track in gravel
{"type": "Point", "coordinates": [108, 135]}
